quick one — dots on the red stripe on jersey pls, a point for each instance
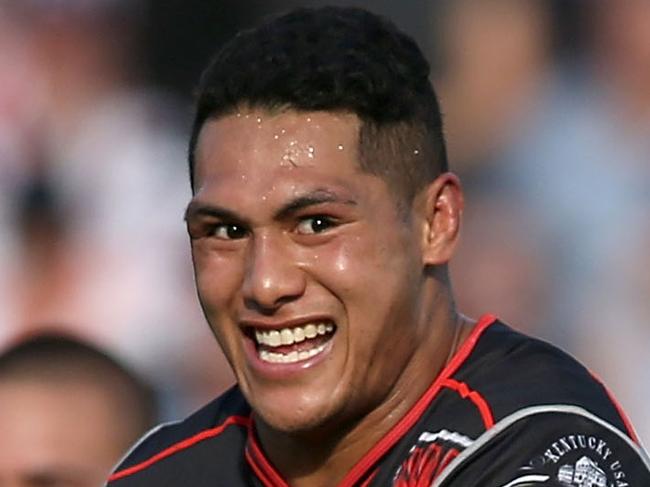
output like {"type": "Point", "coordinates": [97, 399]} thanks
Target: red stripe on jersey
{"type": "Point", "coordinates": [621, 412]}
{"type": "Point", "coordinates": [265, 472]}
{"type": "Point", "coordinates": [260, 473]}
{"type": "Point", "coordinates": [478, 400]}
{"type": "Point", "coordinates": [181, 445]}
{"type": "Point", "coordinates": [370, 478]}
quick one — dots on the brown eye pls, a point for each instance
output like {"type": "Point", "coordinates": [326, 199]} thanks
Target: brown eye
{"type": "Point", "coordinates": [229, 231]}
{"type": "Point", "coordinates": [314, 224]}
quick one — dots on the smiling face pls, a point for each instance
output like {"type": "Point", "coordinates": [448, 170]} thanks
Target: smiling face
{"type": "Point", "coordinates": [307, 272]}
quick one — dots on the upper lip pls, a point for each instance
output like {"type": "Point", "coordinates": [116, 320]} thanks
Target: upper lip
{"type": "Point", "coordinates": [278, 325]}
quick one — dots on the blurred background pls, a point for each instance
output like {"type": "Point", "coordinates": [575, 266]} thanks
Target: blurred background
{"type": "Point", "coordinates": [547, 109]}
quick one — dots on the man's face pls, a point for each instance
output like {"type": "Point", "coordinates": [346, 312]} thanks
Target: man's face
{"type": "Point", "coordinates": [56, 435]}
{"type": "Point", "coordinates": [306, 270]}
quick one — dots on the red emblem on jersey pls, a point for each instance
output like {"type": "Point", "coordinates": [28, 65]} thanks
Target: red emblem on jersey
{"type": "Point", "coordinates": [424, 464]}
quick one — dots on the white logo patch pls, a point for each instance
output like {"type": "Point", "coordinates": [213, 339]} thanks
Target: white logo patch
{"type": "Point", "coordinates": [582, 461]}
{"type": "Point", "coordinates": [585, 473]}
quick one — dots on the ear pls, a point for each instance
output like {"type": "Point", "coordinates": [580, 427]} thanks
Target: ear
{"type": "Point", "coordinates": [443, 209]}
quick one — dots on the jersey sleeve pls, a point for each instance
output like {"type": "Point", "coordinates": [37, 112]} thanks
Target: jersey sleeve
{"type": "Point", "coordinates": [554, 445]}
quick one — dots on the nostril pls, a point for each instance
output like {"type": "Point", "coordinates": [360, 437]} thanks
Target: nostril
{"type": "Point", "coordinates": [254, 304]}
{"type": "Point", "coordinates": [268, 308]}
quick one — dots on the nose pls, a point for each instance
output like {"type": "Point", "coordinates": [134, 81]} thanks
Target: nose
{"type": "Point", "coordinates": [273, 277]}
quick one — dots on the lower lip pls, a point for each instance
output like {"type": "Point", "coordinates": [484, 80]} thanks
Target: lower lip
{"type": "Point", "coordinates": [275, 370]}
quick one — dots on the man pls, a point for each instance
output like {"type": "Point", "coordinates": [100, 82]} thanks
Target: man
{"type": "Point", "coordinates": [322, 222]}
{"type": "Point", "coordinates": [68, 412]}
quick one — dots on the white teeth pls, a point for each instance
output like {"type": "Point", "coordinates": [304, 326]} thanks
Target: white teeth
{"type": "Point", "coordinates": [289, 336]}
{"type": "Point", "coordinates": [274, 339]}
{"type": "Point", "coordinates": [311, 331]}
{"type": "Point", "coordinates": [291, 357]}
{"type": "Point", "coordinates": [298, 335]}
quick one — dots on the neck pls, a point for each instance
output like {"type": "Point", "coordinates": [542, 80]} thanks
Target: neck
{"type": "Point", "coordinates": [323, 457]}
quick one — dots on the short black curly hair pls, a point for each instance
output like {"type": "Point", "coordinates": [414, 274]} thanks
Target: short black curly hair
{"type": "Point", "coordinates": [340, 60]}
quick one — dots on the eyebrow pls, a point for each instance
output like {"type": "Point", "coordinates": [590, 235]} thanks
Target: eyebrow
{"type": "Point", "coordinates": [316, 197]}
{"type": "Point", "coordinates": [197, 209]}
{"type": "Point", "coordinates": [312, 198]}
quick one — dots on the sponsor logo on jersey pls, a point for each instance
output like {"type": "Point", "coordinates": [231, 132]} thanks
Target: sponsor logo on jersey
{"type": "Point", "coordinates": [578, 460]}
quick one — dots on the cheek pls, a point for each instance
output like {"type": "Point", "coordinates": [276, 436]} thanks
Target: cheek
{"type": "Point", "coordinates": [218, 278]}
{"type": "Point", "coordinates": [339, 267]}
{"type": "Point", "coordinates": [360, 272]}
{"type": "Point", "coordinates": [374, 284]}
{"type": "Point", "coordinates": [378, 286]}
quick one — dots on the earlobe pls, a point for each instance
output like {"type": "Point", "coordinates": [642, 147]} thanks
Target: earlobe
{"type": "Point", "coordinates": [443, 210]}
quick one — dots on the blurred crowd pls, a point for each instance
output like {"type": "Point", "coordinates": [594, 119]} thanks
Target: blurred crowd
{"type": "Point", "coordinates": [547, 110]}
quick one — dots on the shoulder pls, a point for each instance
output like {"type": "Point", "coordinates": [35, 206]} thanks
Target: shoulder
{"type": "Point", "coordinates": [550, 445]}
{"type": "Point", "coordinates": [509, 410]}
{"type": "Point", "coordinates": [546, 418]}
{"type": "Point", "coordinates": [513, 371]}
{"type": "Point", "coordinates": [223, 421]}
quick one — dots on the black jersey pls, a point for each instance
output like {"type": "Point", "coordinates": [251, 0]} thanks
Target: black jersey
{"type": "Point", "coordinates": [507, 411]}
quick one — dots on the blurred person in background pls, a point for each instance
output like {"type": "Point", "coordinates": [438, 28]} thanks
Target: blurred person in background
{"type": "Point", "coordinates": [68, 412]}
{"type": "Point", "coordinates": [90, 206]}
{"type": "Point", "coordinates": [494, 58]}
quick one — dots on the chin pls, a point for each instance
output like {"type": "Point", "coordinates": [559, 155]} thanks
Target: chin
{"type": "Point", "coordinates": [295, 423]}
{"type": "Point", "coordinates": [298, 421]}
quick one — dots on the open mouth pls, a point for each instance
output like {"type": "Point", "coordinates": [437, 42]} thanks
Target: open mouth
{"type": "Point", "coordinates": [294, 344]}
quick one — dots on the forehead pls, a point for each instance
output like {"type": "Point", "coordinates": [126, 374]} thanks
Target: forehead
{"type": "Point", "coordinates": [257, 142]}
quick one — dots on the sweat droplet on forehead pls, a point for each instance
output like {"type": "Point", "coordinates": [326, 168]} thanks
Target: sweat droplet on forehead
{"type": "Point", "coordinates": [286, 140]}
{"type": "Point", "coordinates": [288, 161]}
